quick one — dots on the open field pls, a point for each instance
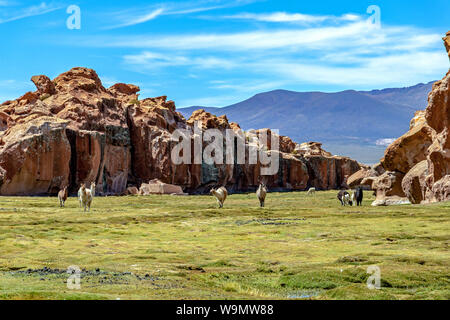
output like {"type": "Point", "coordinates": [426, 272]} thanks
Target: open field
{"type": "Point", "coordinates": [168, 247]}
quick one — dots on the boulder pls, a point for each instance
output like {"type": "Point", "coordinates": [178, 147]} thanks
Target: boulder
{"type": "Point", "coordinates": [132, 191]}
{"type": "Point", "coordinates": [43, 84]}
{"type": "Point", "coordinates": [356, 179]}
{"type": "Point", "coordinates": [208, 120]}
{"type": "Point", "coordinates": [391, 201]}
{"type": "Point", "coordinates": [156, 186]}
{"type": "Point", "coordinates": [388, 188]}
{"type": "Point", "coordinates": [312, 149]}
{"type": "Point", "coordinates": [124, 90]}
{"type": "Point", "coordinates": [409, 149]}
{"type": "Point", "coordinates": [414, 182]}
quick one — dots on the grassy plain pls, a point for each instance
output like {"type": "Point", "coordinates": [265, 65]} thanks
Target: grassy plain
{"type": "Point", "coordinates": [172, 247]}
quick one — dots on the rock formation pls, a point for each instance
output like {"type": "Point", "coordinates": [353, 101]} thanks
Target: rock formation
{"type": "Point", "coordinates": [418, 163]}
{"type": "Point", "coordinates": [73, 130]}
{"type": "Point", "coordinates": [156, 186]}
{"type": "Point", "coordinates": [365, 176]}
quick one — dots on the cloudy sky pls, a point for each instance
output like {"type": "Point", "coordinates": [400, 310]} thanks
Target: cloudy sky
{"type": "Point", "coordinates": [216, 53]}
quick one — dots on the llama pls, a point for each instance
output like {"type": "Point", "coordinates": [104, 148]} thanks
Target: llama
{"type": "Point", "coordinates": [79, 196]}
{"type": "Point", "coordinates": [344, 197]}
{"type": "Point", "coordinates": [311, 191]}
{"type": "Point", "coordinates": [86, 196]}
{"type": "Point", "coordinates": [261, 194]}
{"type": "Point", "coordinates": [92, 192]}
{"type": "Point", "coordinates": [357, 196]}
{"type": "Point", "coordinates": [93, 189]}
{"type": "Point", "coordinates": [220, 194]}
{"type": "Point", "coordinates": [62, 196]}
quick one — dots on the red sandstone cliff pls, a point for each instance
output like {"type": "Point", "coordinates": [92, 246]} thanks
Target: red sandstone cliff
{"type": "Point", "coordinates": [73, 130]}
{"type": "Point", "coordinates": [418, 163]}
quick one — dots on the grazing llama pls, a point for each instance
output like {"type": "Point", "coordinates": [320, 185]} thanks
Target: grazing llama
{"type": "Point", "coordinates": [311, 191]}
{"type": "Point", "coordinates": [261, 194]}
{"type": "Point", "coordinates": [86, 196]}
{"type": "Point", "coordinates": [220, 194]}
{"type": "Point", "coordinates": [62, 196]}
{"type": "Point", "coordinates": [357, 196]}
{"type": "Point", "coordinates": [344, 197]}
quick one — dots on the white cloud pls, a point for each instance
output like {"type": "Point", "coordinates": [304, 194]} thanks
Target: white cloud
{"type": "Point", "coordinates": [12, 89]}
{"type": "Point", "coordinates": [27, 12]}
{"type": "Point", "coordinates": [246, 86]}
{"type": "Point", "coordinates": [133, 20]}
{"type": "Point", "coordinates": [354, 54]}
{"type": "Point", "coordinates": [385, 142]}
{"type": "Point", "coordinates": [354, 36]}
{"type": "Point", "coordinates": [134, 16]}
{"type": "Point", "coordinates": [291, 17]}
{"type": "Point", "coordinates": [212, 101]}
{"type": "Point", "coordinates": [374, 72]}
{"type": "Point", "coordinates": [151, 60]}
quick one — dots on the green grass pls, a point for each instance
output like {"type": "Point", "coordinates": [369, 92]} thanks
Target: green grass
{"type": "Point", "coordinates": [169, 247]}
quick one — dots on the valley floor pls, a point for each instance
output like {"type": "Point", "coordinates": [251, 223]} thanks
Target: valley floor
{"type": "Point", "coordinates": [169, 247]}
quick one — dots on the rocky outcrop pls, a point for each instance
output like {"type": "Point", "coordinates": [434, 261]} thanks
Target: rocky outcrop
{"type": "Point", "coordinates": [447, 43]}
{"type": "Point", "coordinates": [414, 182]}
{"type": "Point", "coordinates": [311, 149]}
{"type": "Point", "coordinates": [72, 130]}
{"type": "Point", "coordinates": [44, 85]}
{"type": "Point", "coordinates": [365, 177]}
{"type": "Point", "coordinates": [420, 157]}
{"type": "Point", "coordinates": [408, 150]}
{"type": "Point", "coordinates": [35, 157]}
{"type": "Point", "coordinates": [156, 186]}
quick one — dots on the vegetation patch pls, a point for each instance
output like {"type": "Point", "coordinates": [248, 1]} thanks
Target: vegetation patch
{"type": "Point", "coordinates": [165, 247]}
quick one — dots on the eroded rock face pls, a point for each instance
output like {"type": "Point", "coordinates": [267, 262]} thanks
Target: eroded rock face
{"type": "Point", "coordinates": [73, 130]}
{"type": "Point", "coordinates": [95, 135]}
{"type": "Point", "coordinates": [364, 178]}
{"type": "Point", "coordinates": [414, 182]}
{"type": "Point", "coordinates": [389, 190]}
{"type": "Point", "coordinates": [35, 158]}
{"type": "Point", "coordinates": [447, 43]}
{"type": "Point", "coordinates": [43, 84]}
{"type": "Point", "coordinates": [422, 155]}
{"type": "Point", "coordinates": [408, 150]}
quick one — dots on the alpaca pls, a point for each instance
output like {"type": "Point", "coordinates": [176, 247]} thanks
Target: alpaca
{"type": "Point", "coordinates": [344, 197]}
{"type": "Point", "coordinates": [86, 196]}
{"type": "Point", "coordinates": [220, 194]}
{"type": "Point", "coordinates": [357, 196]}
{"type": "Point", "coordinates": [311, 191]}
{"type": "Point", "coordinates": [261, 194]}
{"type": "Point", "coordinates": [79, 196]}
{"type": "Point", "coordinates": [62, 196]}
{"type": "Point", "coordinates": [92, 190]}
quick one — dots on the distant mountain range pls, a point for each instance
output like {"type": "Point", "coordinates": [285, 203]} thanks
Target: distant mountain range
{"type": "Point", "coordinates": [351, 123]}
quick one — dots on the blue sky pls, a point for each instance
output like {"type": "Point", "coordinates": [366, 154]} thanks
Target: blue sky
{"type": "Point", "coordinates": [216, 53]}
